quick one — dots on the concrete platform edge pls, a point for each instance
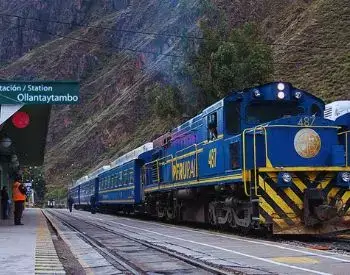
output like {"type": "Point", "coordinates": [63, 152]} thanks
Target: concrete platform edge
{"type": "Point", "coordinates": [60, 233]}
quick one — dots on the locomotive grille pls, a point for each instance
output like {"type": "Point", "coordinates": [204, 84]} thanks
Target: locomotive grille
{"type": "Point", "coordinates": [328, 112]}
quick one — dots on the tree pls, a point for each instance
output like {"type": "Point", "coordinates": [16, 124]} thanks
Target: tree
{"type": "Point", "coordinates": [166, 101]}
{"type": "Point", "coordinates": [239, 61]}
{"type": "Point", "coordinates": [35, 176]}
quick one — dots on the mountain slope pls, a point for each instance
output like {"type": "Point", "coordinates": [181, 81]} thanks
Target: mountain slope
{"type": "Point", "coordinates": [114, 114]}
{"type": "Point", "coordinates": [310, 41]}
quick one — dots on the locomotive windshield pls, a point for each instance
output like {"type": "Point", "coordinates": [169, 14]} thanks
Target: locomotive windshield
{"type": "Point", "coordinates": [264, 112]}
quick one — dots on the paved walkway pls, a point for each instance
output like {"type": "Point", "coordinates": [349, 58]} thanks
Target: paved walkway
{"type": "Point", "coordinates": [21, 246]}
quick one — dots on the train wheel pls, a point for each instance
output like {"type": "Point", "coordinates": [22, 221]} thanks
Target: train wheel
{"type": "Point", "coordinates": [161, 213]}
{"type": "Point", "coordinates": [170, 214]}
{"type": "Point", "coordinates": [231, 220]}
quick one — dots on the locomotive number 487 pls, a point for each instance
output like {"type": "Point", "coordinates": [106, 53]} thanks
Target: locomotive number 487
{"type": "Point", "coordinates": [307, 121]}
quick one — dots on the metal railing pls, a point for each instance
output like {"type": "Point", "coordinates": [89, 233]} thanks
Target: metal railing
{"type": "Point", "coordinates": [155, 171]}
{"type": "Point", "coordinates": [346, 134]}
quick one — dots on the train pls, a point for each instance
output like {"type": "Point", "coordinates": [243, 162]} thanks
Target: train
{"type": "Point", "coordinates": [263, 158]}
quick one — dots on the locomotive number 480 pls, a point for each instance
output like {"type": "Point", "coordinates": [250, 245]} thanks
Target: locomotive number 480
{"type": "Point", "coordinates": [307, 121]}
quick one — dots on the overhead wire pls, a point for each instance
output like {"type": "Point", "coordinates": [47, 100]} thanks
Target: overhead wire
{"type": "Point", "coordinates": [193, 37]}
{"type": "Point", "coordinates": [129, 49]}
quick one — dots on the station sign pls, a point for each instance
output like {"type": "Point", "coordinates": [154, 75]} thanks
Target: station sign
{"type": "Point", "coordinates": [39, 92]}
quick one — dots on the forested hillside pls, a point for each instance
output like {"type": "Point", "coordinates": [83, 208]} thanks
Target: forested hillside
{"type": "Point", "coordinates": [125, 53]}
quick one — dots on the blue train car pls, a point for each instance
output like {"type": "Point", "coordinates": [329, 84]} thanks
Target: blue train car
{"type": "Point", "coordinates": [74, 192]}
{"type": "Point", "coordinates": [255, 158]}
{"type": "Point", "coordinates": [120, 185]}
{"type": "Point", "coordinates": [87, 189]}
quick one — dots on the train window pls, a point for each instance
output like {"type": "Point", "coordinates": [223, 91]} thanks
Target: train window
{"type": "Point", "coordinates": [316, 110]}
{"type": "Point", "coordinates": [131, 176]}
{"type": "Point", "coordinates": [235, 155]}
{"type": "Point", "coordinates": [125, 175]}
{"type": "Point", "coordinates": [267, 111]}
{"type": "Point", "coordinates": [118, 180]}
{"type": "Point", "coordinates": [232, 117]}
{"type": "Point", "coordinates": [212, 126]}
{"type": "Point", "coordinates": [114, 180]}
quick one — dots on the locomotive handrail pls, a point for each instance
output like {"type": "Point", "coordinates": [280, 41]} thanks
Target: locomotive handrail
{"type": "Point", "coordinates": [300, 126]}
{"type": "Point", "coordinates": [158, 159]}
{"type": "Point", "coordinates": [346, 146]}
{"type": "Point", "coordinates": [256, 178]}
{"type": "Point", "coordinates": [157, 167]}
{"type": "Point", "coordinates": [244, 164]}
{"type": "Point", "coordinates": [254, 156]}
{"type": "Point", "coordinates": [185, 149]}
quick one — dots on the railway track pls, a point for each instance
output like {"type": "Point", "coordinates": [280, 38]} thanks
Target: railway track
{"type": "Point", "coordinates": [340, 242]}
{"type": "Point", "coordinates": [105, 240]}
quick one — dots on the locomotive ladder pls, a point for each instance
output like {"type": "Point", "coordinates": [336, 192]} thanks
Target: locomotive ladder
{"type": "Point", "coordinates": [346, 136]}
{"type": "Point", "coordinates": [252, 184]}
{"type": "Point", "coordinates": [251, 187]}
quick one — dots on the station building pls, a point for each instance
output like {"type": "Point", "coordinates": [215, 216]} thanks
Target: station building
{"type": "Point", "coordinates": [23, 132]}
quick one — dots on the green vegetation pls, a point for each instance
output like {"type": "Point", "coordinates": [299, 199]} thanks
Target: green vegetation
{"type": "Point", "coordinates": [35, 176]}
{"type": "Point", "coordinates": [229, 60]}
{"type": "Point", "coordinates": [165, 101]}
{"type": "Point", "coordinates": [57, 194]}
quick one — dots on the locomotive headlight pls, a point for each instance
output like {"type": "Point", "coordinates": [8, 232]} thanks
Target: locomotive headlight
{"type": "Point", "coordinates": [286, 177]}
{"type": "Point", "coordinates": [284, 180]}
{"type": "Point", "coordinates": [345, 176]}
{"type": "Point", "coordinates": [280, 86]}
{"type": "Point", "coordinates": [297, 95]}
{"type": "Point", "coordinates": [257, 93]}
{"type": "Point", "coordinates": [280, 95]}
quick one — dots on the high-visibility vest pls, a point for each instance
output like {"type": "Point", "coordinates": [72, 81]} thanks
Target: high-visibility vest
{"type": "Point", "coordinates": [17, 194]}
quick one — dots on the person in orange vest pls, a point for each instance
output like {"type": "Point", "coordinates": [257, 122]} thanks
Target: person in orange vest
{"type": "Point", "coordinates": [19, 197]}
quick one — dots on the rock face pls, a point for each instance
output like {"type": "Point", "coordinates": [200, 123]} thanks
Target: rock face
{"type": "Point", "coordinates": [116, 48]}
{"type": "Point", "coordinates": [111, 49]}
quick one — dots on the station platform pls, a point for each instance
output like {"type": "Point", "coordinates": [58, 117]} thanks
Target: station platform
{"type": "Point", "coordinates": [28, 248]}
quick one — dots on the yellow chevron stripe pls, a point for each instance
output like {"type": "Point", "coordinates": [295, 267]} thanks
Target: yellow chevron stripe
{"type": "Point", "coordinates": [262, 219]}
{"type": "Point", "coordinates": [333, 192]}
{"type": "Point", "coordinates": [272, 213]}
{"type": "Point", "coordinates": [345, 197]}
{"type": "Point", "coordinates": [275, 197]}
{"type": "Point", "coordinates": [312, 176]}
{"type": "Point", "coordinates": [268, 163]}
{"type": "Point", "coordinates": [299, 184]}
{"type": "Point", "coordinates": [324, 183]}
{"type": "Point", "coordinates": [294, 197]}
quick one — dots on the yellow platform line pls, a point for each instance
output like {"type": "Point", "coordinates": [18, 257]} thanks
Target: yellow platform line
{"type": "Point", "coordinates": [46, 259]}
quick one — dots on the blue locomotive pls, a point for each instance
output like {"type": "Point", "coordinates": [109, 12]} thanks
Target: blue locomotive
{"type": "Point", "coordinates": [264, 157]}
